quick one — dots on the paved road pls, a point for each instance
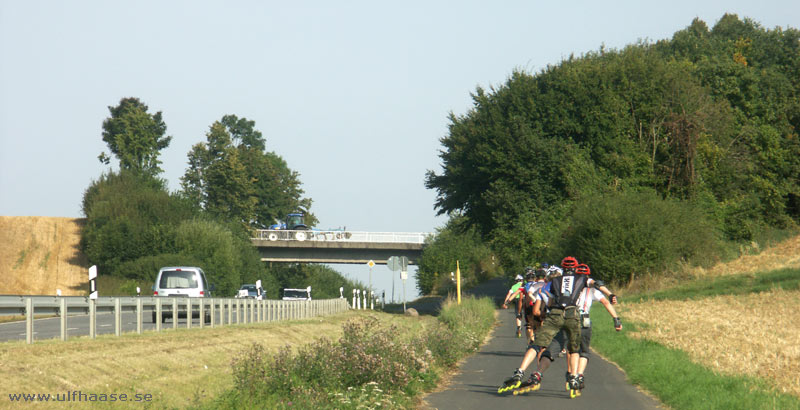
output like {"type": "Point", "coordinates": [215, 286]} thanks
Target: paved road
{"type": "Point", "coordinates": [78, 325]}
{"type": "Point", "coordinates": [475, 387]}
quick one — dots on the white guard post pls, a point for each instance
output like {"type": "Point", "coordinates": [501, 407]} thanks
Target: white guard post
{"type": "Point", "coordinates": [93, 282]}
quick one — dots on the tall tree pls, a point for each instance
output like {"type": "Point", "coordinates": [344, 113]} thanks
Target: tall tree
{"type": "Point", "coordinates": [231, 175]}
{"type": "Point", "coordinates": [135, 137]}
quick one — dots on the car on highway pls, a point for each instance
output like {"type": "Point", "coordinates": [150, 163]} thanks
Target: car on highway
{"type": "Point", "coordinates": [297, 294]}
{"type": "Point", "coordinates": [182, 281]}
{"type": "Point", "coordinates": [249, 291]}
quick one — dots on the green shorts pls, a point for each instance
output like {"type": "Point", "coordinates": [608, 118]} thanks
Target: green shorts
{"type": "Point", "coordinates": [567, 319]}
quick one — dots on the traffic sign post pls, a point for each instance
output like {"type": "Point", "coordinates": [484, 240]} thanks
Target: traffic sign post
{"type": "Point", "coordinates": [403, 277]}
{"type": "Point", "coordinates": [399, 263]}
{"type": "Point", "coordinates": [371, 264]}
{"type": "Point", "coordinates": [393, 263]}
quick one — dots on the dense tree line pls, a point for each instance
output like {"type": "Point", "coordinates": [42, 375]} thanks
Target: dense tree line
{"type": "Point", "coordinates": [134, 225]}
{"type": "Point", "coordinates": [702, 127]}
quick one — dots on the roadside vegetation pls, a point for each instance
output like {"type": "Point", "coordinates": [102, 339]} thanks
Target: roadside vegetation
{"type": "Point", "coordinates": [179, 368]}
{"type": "Point", "coordinates": [638, 161]}
{"type": "Point", "coordinates": [372, 365]}
{"type": "Point", "coordinates": [134, 225]}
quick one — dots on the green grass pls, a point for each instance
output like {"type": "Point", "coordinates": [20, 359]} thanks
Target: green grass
{"type": "Point", "coordinates": [677, 381]}
{"type": "Point", "coordinates": [786, 279]}
{"type": "Point", "coordinates": [20, 259]}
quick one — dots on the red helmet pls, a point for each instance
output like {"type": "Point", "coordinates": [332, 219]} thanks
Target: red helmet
{"type": "Point", "coordinates": [583, 269]}
{"type": "Point", "coordinates": [569, 263]}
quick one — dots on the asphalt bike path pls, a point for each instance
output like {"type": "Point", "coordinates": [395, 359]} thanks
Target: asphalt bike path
{"type": "Point", "coordinates": [475, 385]}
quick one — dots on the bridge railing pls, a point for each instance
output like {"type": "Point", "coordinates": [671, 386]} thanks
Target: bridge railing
{"type": "Point", "coordinates": [215, 311]}
{"type": "Point", "coordinates": [342, 236]}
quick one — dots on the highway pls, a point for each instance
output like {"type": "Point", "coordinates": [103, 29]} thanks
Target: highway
{"type": "Point", "coordinates": [78, 325]}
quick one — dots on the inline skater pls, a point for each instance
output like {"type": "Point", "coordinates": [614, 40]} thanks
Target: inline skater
{"type": "Point", "coordinates": [588, 296]}
{"type": "Point", "coordinates": [513, 294]}
{"type": "Point", "coordinates": [561, 296]}
{"type": "Point", "coordinates": [546, 358]}
{"type": "Point", "coordinates": [534, 280]}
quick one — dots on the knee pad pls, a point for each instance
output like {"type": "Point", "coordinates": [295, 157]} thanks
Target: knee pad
{"type": "Point", "coordinates": [547, 355]}
{"type": "Point", "coordinates": [534, 347]}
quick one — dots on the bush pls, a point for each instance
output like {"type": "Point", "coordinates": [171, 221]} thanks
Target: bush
{"type": "Point", "coordinates": [454, 243]}
{"type": "Point", "coordinates": [369, 367]}
{"type": "Point", "coordinates": [366, 355]}
{"type": "Point", "coordinates": [146, 268]}
{"type": "Point", "coordinates": [128, 216]}
{"type": "Point", "coordinates": [619, 235]}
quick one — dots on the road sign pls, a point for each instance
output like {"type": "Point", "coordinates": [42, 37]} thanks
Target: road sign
{"type": "Point", "coordinates": [403, 274]}
{"type": "Point", "coordinates": [371, 263]}
{"type": "Point", "coordinates": [394, 263]}
{"type": "Point", "coordinates": [404, 263]}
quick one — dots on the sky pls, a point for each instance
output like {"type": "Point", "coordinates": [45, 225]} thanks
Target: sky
{"type": "Point", "coordinates": [354, 95]}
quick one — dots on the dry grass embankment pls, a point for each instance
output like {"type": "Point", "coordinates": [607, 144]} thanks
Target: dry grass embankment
{"type": "Point", "coordinates": [785, 254]}
{"type": "Point", "coordinates": [179, 368]}
{"type": "Point", "coordinates": [40, 254]}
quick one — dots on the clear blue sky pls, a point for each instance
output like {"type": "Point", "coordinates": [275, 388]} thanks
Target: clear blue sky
{"type": "Point", "coordinates": [353, 94]}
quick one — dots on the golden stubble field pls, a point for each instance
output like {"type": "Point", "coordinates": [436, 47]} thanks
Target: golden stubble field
{"type": "Point", "coordinates": [40, 254]}
{"type": "Point", "coordinates": [756, 334]}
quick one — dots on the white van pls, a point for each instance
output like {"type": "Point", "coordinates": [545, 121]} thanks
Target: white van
{"type": "Point", "coordinates": [181, 281]}
{"type": "Point", "coordinates": [297, 294]}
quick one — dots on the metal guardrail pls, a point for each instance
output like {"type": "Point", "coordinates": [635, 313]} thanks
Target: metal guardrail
{"type": "Point", "coordinates": [217, 310]}
{"type": "Point", "coordinates": [342, 236]}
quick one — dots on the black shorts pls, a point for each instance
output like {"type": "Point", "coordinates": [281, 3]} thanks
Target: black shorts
{"type": "Point", "coordinates": [586, 340]}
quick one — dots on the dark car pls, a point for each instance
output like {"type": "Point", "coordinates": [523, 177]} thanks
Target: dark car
{"type": "Point", "coordinates": [252, 292]}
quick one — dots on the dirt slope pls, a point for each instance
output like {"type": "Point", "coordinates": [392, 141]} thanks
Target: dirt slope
{"type": "Point", "coordinates": [40, 254]}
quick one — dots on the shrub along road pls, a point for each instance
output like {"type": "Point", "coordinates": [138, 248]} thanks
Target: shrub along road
{"type": "Point", "coordinates": [475, 387]}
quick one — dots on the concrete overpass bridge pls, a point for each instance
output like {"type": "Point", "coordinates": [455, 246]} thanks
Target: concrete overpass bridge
{"type": "Point", "coordinates": [337, 246]}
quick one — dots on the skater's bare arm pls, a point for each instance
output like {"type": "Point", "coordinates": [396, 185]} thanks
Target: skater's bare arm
{"type": "Point", "coordinates": [613, 312]}
{"type": "Point", "coordinates": [537, 308]}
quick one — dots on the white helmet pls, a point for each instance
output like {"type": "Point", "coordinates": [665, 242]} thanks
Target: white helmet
{"type": "Point", "coordinates": [554, 271]}
{"type": "Point", "coordinates": [518, 277]}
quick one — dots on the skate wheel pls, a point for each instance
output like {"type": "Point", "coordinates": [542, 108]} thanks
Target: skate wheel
{"type": "Point", "coordinates": [566, 386]}
{"type": "Point", "coordinates": [574, 393]}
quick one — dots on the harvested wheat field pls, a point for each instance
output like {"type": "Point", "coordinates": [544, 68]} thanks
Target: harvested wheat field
{"type": "Point", "coordinates": [756, 335]}
{"type": "Point", "coordinates": [40, 254]}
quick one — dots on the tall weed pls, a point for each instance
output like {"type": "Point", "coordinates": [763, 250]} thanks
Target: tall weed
{"type": "Point", "coordinates": [370, 365]}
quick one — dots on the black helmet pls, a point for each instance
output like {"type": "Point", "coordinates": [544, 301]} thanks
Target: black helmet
{"type": "Point", "coordinates": [540, 273]}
